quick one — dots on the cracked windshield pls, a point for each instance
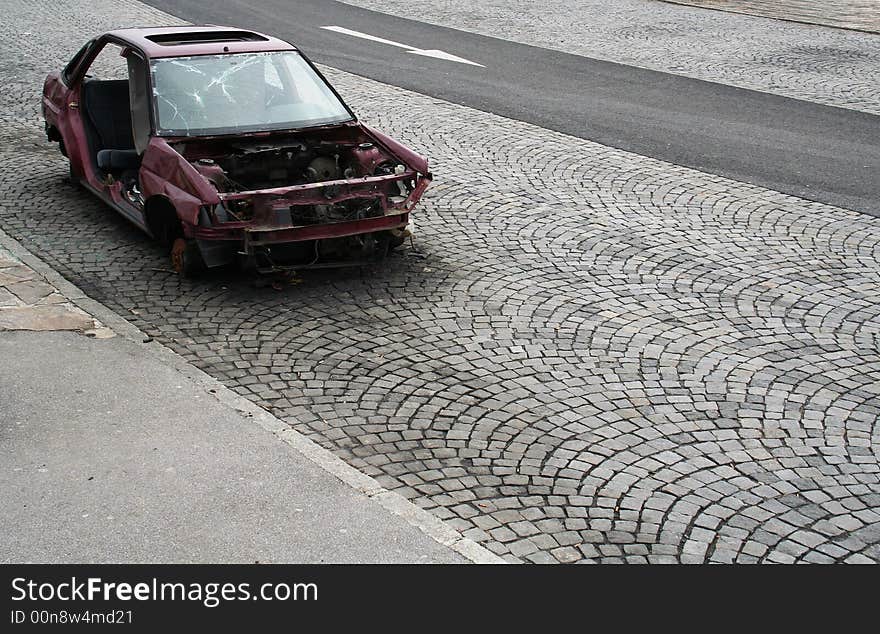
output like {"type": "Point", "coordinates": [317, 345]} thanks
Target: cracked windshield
{"type": "Point", "coordinates": [217, 94]}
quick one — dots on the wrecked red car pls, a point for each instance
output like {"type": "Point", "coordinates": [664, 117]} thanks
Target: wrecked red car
{"type": "Point", "coordinates": [230, 146]}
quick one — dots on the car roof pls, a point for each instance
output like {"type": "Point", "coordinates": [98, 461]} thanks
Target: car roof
{"type": "Point", "coordinates": [185, 41]}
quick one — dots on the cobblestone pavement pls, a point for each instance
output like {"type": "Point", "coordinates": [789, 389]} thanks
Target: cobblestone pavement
{"type": "Point", "coordinates": [597, 357]}
{"type": "Point", "coordinates": [863, 15]}
{"type": "Point", "coordinates": [820, 64]}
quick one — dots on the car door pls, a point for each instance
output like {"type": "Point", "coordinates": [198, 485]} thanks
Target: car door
{"type": "Point", "coordinates": [61, 101]}
{"type": "Point", "coordinates": [99, 118]}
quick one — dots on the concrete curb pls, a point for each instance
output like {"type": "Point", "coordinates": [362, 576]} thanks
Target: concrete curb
{"type": "Point", "coordinates": [395, 503]}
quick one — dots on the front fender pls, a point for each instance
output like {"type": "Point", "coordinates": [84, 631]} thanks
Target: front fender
{"type": "Point", "coordinates": [165, 172]}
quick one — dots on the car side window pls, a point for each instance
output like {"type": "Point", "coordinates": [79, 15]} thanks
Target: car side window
{"type": "Point", "coordinates": [109, 63]}
{"type": "Point", "coordinates": [75, 61]}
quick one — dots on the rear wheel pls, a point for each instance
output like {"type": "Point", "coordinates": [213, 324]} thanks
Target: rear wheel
{"type": "Point", "coordinates": [72, 176]}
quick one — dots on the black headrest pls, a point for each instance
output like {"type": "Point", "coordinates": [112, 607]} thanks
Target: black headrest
{"type": "Point", "coordinates": [108, 109]}
{"type": "Point", "coordinates": [106, 93]}
{"type": "Point", "coordinates": [118, 160]}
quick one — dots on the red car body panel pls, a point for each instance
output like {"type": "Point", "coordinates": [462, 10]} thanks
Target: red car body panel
{"type": "Point", "coordinates": [166, 175]}
{"type": "Point", "coordinates": [164, 172]}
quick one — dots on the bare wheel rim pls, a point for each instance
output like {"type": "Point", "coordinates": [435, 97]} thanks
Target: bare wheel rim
{"type": "Point", "coordinates": [178, 255]}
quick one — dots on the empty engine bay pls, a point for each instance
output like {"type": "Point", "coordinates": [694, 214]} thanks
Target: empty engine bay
{"type": "Point", "coordinates": [247, 165]}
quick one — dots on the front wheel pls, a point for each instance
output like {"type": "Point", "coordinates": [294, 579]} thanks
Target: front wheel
{"type": "Point", "coordinates": [397, 237]}
{"type": "Point", "coordinates": [185, 257]}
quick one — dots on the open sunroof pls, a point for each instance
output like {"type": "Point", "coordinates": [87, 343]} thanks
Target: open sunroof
{"type": "Point", "coordinates": [205, 37]}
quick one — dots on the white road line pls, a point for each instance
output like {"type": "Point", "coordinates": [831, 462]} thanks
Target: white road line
{"type": "Point", "coordinates": [365, 36]}
{"type": "Point", "coordinates": [432, 52]}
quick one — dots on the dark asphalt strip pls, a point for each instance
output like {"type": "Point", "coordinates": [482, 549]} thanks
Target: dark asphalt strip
{"type": "Point", "coordinates": [817, 152]}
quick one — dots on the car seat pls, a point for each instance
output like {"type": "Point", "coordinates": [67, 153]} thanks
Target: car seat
{"type": "Point", "coordinates": [108, 124]}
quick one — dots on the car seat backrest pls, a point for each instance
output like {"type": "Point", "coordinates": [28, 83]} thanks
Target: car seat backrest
{"type": "Point", "coordinates": [107, 108]}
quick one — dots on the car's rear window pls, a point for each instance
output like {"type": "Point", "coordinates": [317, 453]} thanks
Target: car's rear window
{"type": "Point", "coordinates": [241, 92]}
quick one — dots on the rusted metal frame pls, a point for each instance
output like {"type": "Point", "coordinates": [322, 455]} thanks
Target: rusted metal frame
{"type": "Point", "coordinates": [322, 232]}
{"type": "Point", "coordinates": [341, 183]}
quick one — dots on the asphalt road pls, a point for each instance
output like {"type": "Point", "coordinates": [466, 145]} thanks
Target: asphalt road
{"type": "Point", "coordinates": [822, 153]}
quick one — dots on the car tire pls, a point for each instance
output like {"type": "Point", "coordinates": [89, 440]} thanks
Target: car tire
{"type": "Point", "coordinates": [396, 241]}
{"type": "Point", "coordinates": [397, 237]}
{"type": "Point", "coordinates": [72, 176]}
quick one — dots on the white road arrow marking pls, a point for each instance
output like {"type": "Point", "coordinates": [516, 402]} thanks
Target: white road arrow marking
{"type": "Point", "coordinates": [449, 57]}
